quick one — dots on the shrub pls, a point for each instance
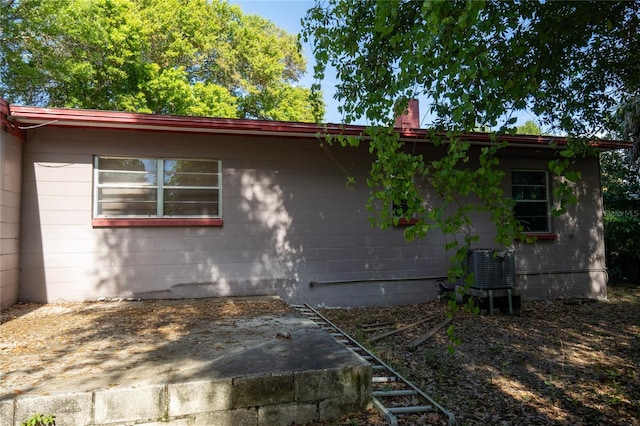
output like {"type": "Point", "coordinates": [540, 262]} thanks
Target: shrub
{"type": "Point", "coordinates": [622, 242]}
{"type": "Point", "coordinates": [40, 420]}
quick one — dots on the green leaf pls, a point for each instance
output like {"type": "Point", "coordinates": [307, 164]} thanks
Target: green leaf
{"type": "Point", "coordinates": [567, 153]}
{"type": "Point", "coordinates": [573, 176]}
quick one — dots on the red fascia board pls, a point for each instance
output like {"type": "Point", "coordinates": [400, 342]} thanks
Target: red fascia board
{"type": "Point", "coordinates": [67, 117]}
{"type": "Point", "coordinates": [4, 107]}
{"type": "Point", "coordinates": [109, 119]}
{"type": "Point", "coordinates": [7, 125]}
{"type": "Point", "coordinates": [539, 140]}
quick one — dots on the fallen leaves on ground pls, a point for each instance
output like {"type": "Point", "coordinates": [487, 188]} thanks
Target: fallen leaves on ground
{"type": "Point", "coordinates": [561, 362]}
{"type": "Point", "coordinates": [571, 362]}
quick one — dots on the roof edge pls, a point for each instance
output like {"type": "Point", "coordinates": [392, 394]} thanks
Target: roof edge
{"type": "Point", "coordinates": [22, 118]}
{"type": "Point", "coordinates": [7, 124]}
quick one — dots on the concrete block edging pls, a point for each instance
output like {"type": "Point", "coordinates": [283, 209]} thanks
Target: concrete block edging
{"type": "Point", "coordinates": [300, 396]}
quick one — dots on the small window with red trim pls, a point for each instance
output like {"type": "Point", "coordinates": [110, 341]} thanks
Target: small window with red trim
{"type": "Point", "coordinates": [530, 191]}
{"type": "Point", "coordinates": [126, 187]}
{"type": "Point", "coordinates": [401, 215]}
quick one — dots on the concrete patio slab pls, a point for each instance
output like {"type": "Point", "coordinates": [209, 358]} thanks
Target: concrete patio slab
{"type": "Point", "coordinates": [235, 361]}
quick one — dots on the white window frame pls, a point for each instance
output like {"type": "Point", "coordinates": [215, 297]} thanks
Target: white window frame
{"type": "Point", "coordinates": [547, 200]}
{"type": "Point", "coordinates": [159, 187]}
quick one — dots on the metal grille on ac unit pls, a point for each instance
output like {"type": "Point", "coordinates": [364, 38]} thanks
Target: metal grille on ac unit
{"type": "Point", "coordinates": [491, 268]}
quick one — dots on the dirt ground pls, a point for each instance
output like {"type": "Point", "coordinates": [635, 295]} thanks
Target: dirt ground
{"type": "Point", "coordinates": [81, 344]}
{"type": "Point", "coordinates": [558, 363]}
{"type": "Point", "coordinates": [571, 362]}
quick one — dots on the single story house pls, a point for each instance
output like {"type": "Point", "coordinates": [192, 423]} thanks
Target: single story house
{"type": "Point", "coordinates": [103, 204]}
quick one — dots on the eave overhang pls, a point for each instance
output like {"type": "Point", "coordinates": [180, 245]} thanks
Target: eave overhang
{"type": "Point", "coordinates": [22, 118]}
{"type": "Point", "coordinates": [9, 125]}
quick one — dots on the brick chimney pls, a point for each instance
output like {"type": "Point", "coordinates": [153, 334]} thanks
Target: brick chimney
{"type": "Point", "coordinates": [410, 119]}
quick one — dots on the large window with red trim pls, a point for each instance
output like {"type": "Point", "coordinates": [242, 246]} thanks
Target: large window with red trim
{"type": "Point", "coordinates": [126, 187]}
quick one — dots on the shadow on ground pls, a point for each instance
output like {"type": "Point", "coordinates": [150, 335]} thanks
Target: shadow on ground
{"type": "Point", "coordinates": [562, 362]}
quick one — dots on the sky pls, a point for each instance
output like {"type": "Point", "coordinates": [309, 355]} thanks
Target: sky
{"type": "Point", "coordinates": [287, 14]}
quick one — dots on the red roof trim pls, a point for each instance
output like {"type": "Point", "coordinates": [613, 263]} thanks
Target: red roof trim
{"type": "Point", "coordinates": [7, 125]}
{"type": "Point", "coordinates": [66, 117]}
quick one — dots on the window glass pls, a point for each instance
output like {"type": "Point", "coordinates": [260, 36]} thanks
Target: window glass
{"type": "Point", "coordinates": [133, 187]}
{"type": "Point", "coordinates": [127, 164]}
{"type": "Point", "coordinates": [127, 202]}
{"type": "Point", "coordinates": [190, 173]}
{"type": "Point", "coordinates": [529, 193]}
{"type": "Point", "coordinates": [123, 178]}
{"type": "Point", "coordinates": [529, 188]}
{"type": "Point", "coordinates": [529, 178]}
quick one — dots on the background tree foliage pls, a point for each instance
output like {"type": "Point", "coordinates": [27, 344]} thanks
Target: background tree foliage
{"type": "Point", "coordinates": [573, 65]}
{"type": "Point", "coordinates": [621, 194]}
{"type": "Point", "coordinates": [529, 128]}
{"type": "Point", "coordinates": [192, 57]}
